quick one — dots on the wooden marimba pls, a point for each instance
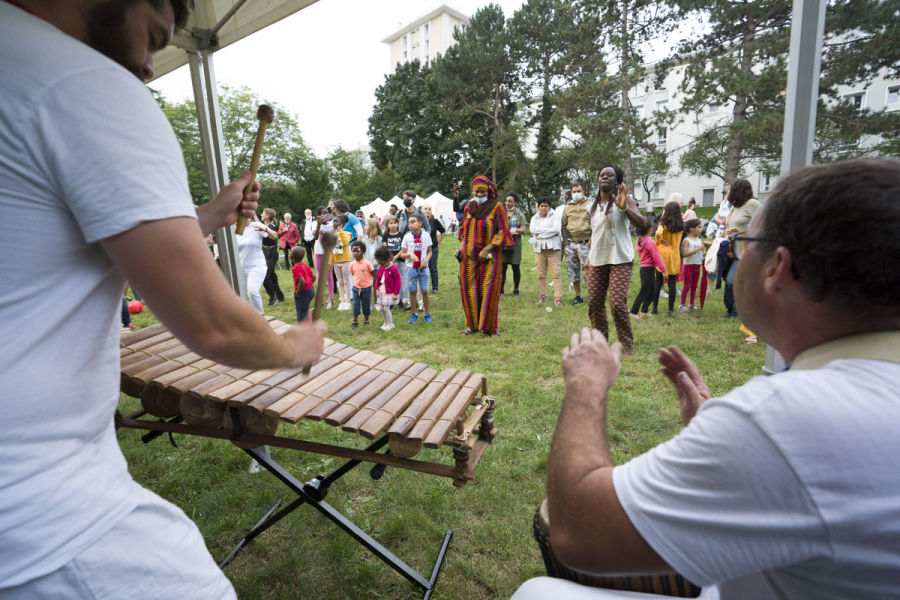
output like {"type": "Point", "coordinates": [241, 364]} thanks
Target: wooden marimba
{"type": "Point", "coordinates": [394, 401]}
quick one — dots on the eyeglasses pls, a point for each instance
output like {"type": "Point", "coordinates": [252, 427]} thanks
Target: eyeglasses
{"type": "Point", "coordinates": [739, 241]}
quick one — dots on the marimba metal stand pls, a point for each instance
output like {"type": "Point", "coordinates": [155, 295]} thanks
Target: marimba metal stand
{"type": "Point", "coordinates": [313, 492]}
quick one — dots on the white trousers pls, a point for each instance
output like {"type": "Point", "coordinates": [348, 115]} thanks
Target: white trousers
{"type": "Point", "coordinates": [253, 280]}
{"type": "Point", "coordinates": [154, 552]}
{"type": "Point", "coordinates": [550, 588]}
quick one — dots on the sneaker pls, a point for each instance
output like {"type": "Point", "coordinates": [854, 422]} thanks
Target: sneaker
{"type": "Point", "coordinates": [558, 302]}
{"type": "Point", "coordinates": [354, 324]}
{"type": "Point", "coordinates": [132, 327]}
{"type": "Point", "coordinates": [682, 308]}
{"type": "Point", "coordinates": [421, 307]}
{"type": "Point", "coordinates": [434, 291]}
{"type": "Point", "coordinates": [515, 292]}
{"type": "Point", "coordinates": [694, 307]}
{"type": "Point", "coordinates": [388, 327]}
{"type": "Point", "coordinates": [273, 301]}
{"type": "Point", "coordinates": [407, 308]}
{"type": "Point", "coordinates": [541, 300]}
{"type": "Point", "coordinates": [428, 318]}
{"type": "Point", "coordinates": [578, 300]}
{"type": "Point", "coordinates": [413, 319]}
{"type": "Point", "coordinates": [329, 304]}
{"type": "Point", "coordinates": [365, 322]}
{"type": "Point", "coordinates": [663, 294]}
{"type": "Point", "coordinates": [383, 327]}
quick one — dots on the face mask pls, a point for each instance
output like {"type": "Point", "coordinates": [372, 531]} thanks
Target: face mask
{"type": "Point", "coordinates": [407, 202]}
{"type": "Point", "coordinates": [577, 196]}
{"type": "Point", "coordinates": [481, 200]}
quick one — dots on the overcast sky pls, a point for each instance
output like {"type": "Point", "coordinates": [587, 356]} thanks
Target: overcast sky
{"type": "Point", "coordinates": [323, 63]}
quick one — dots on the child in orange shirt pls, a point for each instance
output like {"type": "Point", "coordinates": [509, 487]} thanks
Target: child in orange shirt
{"type": "Point", "coordinates": [363, 276]}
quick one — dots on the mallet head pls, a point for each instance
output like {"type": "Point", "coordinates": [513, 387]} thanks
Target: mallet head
{"type": "Point", "coordinates": [265, 114]}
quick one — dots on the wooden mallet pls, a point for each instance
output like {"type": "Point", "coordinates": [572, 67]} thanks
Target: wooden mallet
{"type": "Point", "coordinates": [266, 115]}
{"type": "Point", "coordinates": [327, 241]}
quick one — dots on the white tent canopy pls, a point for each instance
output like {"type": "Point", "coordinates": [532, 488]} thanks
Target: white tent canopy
{"type": "Point", "coordinates": [228, 21]}
{"type": "Point", "coordinates": [377, 206]}
{"type": "Point", "coordinates": [442, 206]}
{"type": "Point", "coordinates": [395, 201]}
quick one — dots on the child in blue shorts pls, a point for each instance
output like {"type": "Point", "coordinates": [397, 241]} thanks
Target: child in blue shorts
{"type": "Point", "coordinates": [416, 249]}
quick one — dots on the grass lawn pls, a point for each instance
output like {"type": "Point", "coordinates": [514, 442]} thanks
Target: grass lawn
{"type": "Point", "coordinates": [493, 551]}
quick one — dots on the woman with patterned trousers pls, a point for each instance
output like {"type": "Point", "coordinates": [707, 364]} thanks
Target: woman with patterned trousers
{"type": "Point", "coordinates": [611, 261]}
{"type": "Point", "coordinates": [483, 232]}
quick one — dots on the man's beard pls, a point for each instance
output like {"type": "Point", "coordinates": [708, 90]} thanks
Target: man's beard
{"type": "Point", "coordinates": [106, 33]}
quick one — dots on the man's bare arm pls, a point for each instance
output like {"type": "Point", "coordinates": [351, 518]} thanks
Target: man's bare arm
{"type": "Point", "coordinates": [169, 262]}
{"type": "Point", "coordinates": [589, 529]}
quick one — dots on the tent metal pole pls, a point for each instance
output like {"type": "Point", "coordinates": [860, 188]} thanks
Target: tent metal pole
{"type": "Point", "coordinates": [804, 65]}
{"type": "Point", "coordinates": [206, 100]}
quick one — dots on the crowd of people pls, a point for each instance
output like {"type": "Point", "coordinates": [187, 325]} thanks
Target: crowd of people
{"type": "Point", "coordinates": [596, 239]}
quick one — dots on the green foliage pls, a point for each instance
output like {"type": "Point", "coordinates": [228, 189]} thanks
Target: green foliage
{"type": "Point", "coordinates": [742, 61]}
{"type": "Point", "coordinates": [351, 175]}
{"type": "Point", "coordinates": [409, 133]}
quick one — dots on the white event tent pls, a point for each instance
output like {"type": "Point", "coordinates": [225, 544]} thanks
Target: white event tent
{"type": "Point", "coordinates": [377, 206]}
{"type": "Point", "coordinates": [442, 206]}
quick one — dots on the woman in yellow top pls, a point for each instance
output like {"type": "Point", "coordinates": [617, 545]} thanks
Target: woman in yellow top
{"type": "Point", "coordinates": [668, 241]}
{"type": "Point", "coordinates": [341, 261]}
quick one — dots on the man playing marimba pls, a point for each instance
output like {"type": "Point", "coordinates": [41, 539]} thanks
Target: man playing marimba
{"type": "Point", "coordinates": [88, 158]}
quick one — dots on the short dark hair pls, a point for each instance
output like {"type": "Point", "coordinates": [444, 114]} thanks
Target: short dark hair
{"type": "Point", "coordinates": [832, 218]}
{"type": "Point", "coordinates": [414, 216]}
{"type": "Point", "coordinates": [342, 206]}
{"type": "Point", "coordinates": [410, 193]}
{"type": "Point", "coordinates": [576, 184]}
{"type": "Point", "coordinates": [341, 220]}
{"type": "Point", "coordinates": [297, 254]}
{"type": "Point", "coordinates": [513, 195]}
{"type": "Point", "coordinates": [382, 253]}
{"type": "Point", "coordinates": [543, 200]}
{"type": "Point", "coordinates": [358, 244]}
{"type": "Point", "coordinates": [181, 9]}
{"type": "Point", "coordinates": [741, 191]}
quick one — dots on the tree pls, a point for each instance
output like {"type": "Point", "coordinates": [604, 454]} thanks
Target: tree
{"type": "Point", "coordinates": [478, 81]}
{"type": "Point", "coordinates": [289, 171]}
{"type": "Point", "coordinates": [409, 133]}
{"type": "Point", "coordinates": [741, 62]}
{"type": "Point", "coordinates": [539, 41]}
{"type": "Point", "coordinates": [351, 175]}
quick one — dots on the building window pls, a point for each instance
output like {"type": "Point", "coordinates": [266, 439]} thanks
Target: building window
{"type": "Point", "coordinates": [638, 91]}
{"type": "Point", "coordinates": [426, 60]}
{"type": "Point", "coordinates": [427, 45]}
{"type": "Point", "coordinates": [661, 136]}
{"type": "Point", "coordinates": [462, 27]}
{"type": "Point", "coordinates": [657, 191]}
{"type": "Point", "coordinates": [404, 55]}
{"type": "Point", "coordinates": [638, 110]}
{"type": "Point", "coordinates": [712, 108]}
{"type": "Point", "coordinates": [663, 85]}
{"type": "Point", "coordinates": [405, 42]}
{"type": "Point", "coordinates": [766, 182]}
{"type": "Point", "coordinates": [893, 95]}
{"type": "Point", "coordinates": [857, 100]}
{"type": "Point", "coordinates": [426, 28]}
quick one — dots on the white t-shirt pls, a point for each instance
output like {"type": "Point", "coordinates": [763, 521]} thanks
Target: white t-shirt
{"type": "Point", "coordinates": [787, 487]}
{"type": "Point", "coordinates": [250, 245]}
{"type": "Point", "coordinates": [410, 245]}
{"type": "Point", "coordinates": [85, 154]}
{"type": "Point", "coordinates": [324, 228]}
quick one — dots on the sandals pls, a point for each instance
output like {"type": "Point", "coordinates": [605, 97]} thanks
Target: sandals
{"type": "Point", "coordinates": [467, 332]}
{"type": "Point", "coordinates": [751, 340]}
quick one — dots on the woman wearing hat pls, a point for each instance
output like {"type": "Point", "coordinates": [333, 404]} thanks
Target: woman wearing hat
{"type": "Point", "coordinates": [482, 233]}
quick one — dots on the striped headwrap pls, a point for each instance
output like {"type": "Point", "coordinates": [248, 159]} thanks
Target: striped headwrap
{"type": "Point", "coordinates": [482, 182]}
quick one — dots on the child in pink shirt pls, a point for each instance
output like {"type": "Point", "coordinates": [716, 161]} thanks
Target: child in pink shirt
{"type": "Point", "coordinates": [651, 261]}
{"type": "Point", "coordinates": [387, 286]}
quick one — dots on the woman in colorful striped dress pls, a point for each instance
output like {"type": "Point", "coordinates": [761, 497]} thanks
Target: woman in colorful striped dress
{"type": "Point", "coordinates": [483, 232]}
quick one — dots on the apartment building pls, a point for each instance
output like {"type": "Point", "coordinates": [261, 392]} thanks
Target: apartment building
{"type": "Point", "coordinates": [425, 38]}
{"type": "Point", "coordinates": [647, 99]}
